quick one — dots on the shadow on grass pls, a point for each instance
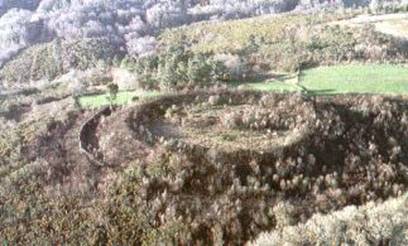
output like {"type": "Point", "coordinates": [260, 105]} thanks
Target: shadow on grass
{"type": "Point", "coordinates": [360, 94]}
{"type": "Point", "coordinates": [324, 92]}
{"type": "Point", "coordinates": [263, 78]}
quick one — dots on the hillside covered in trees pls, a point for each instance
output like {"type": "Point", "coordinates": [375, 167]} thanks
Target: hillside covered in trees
{"type": "Point", "coordinates": [132, 25]}
{"type": "Point", "coordinates": [203, 122]}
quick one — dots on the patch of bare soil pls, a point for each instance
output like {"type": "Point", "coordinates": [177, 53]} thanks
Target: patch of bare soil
{"type": "Point", "coordinates": [391, 24]}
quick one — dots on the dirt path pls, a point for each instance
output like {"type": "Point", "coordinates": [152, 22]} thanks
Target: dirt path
{"type": "Point", "coordinates": [67, 169]}
{"type": "Point", "coordinates": [86, 151]}
{"type": "Point", "coordinates": [391, 24]}
{"type": "Point", "coordinates": [108, 150]}
{"type": "Point", "coordinates": [79, 179]}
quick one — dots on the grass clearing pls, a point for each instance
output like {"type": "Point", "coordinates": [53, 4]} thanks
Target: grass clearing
{"type": "Point", "coordinates": [327, 80]}
{"type": "Point", "coordinates": [371, 79]}
{"type": "Point", "coordinates": [278, 86]}
{"type": "Point", "coordinates": [342, 79]}
{"type": "Point", "coordinates": [281, 83]}
{"type": "Point", "coordinates": [122, 98]}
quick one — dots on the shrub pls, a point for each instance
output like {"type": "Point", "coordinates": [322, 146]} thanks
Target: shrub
{"type": "Point", "coordinates": [176, 68]}
{"type": "Point", "coordinates": [372, 224]}
{"type": "Point", "coordinates": [113, 90]}
{"type": "Point", "coordinates": [125, 79]}
{"type": "Point", "coordinates": [144, 69]}
{"type": "Point", "coordinates": [235, 66]}
{"type": "Point", "coordinates": [330, 45]}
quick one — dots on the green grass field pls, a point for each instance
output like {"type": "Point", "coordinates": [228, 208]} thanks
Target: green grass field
{"type": "Point", "coordinates": [375, 79]}
{"type": "Point", "coordinates": [364, 79]}
{"type": "Point", "coordinates": [281, 83]}
{"type": "Point", "coordinates": [122, 98]}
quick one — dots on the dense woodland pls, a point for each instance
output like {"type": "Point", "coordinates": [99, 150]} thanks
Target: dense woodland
{"type": "Point", "coordinates": [131, 25]}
